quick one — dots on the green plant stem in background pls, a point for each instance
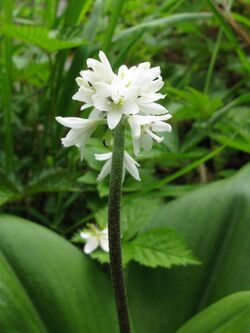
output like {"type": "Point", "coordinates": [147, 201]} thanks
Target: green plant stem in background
{"type": "Point", "coordinates": [213, 59]}
{"type": "Point", "coordinates": [115, 191]}
{"type": "Point", "coordinates": [113, 20]}
{"type": "Point", "coordinates": [6, 89]}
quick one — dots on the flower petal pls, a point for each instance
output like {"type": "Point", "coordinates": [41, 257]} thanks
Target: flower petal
{"type": "Point", "coordinates": [84, 235]}
{"type": "Point", "coordinates": [113, 118]}
{"type": "Point", "coordinates": [146, 142]}
{"type": "Point", "coordinates": [105, 170]}
{"type": "Point", "coordinates": [135, 125]}
{"type": "Point", "coordinates": [153, 108]}
{"type": "Point", "coordinates": [72, 122]}
{"type": "Point", "coordinates": [103, 157]}
{"type": "Point", "coordinates": [104, 243]}
{"type": "Point", "coordinates": [130, 108]}
{"type": "Point", "coordinates": [136, 145]}
{"type": "Point", "coordinates": [91, 245]}
{"type": "Point", "coordinates": [161, 127]}
{"type": "Point", "coordinates": [131, 166]}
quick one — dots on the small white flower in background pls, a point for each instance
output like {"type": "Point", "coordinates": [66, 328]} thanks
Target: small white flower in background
{"type": "Point", "coordinates": [132, 94]}
{"type": "Point", "coordinates": [129, 164]}
{"type": "Point", "coordinates": [94, 238]}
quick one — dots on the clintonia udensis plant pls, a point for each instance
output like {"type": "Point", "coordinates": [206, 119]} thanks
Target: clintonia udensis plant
{"type": "Point", "coordinates": [128, 98]}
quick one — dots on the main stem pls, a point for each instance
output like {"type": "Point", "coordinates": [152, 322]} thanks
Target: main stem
{"type": "Point", "coordinates": [115, 191]}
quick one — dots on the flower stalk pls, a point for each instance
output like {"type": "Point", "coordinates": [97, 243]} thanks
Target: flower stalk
{"type": "Point", "coordinates": [115, 193]}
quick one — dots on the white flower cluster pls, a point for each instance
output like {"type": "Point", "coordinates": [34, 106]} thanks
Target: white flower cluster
{"type": "Point", "coordinates": [131, 93]}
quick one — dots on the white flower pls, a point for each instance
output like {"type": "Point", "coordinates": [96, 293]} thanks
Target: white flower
{"type": "Point", "coordinates": [95, 237]}
{"type": "Point", "coordinates": [143, 128]}
{"type": "Point", "coordinates": [129, 164]}
{"type": "Point", "coordinates": [115, 99]}
{"type": "Point", "coordinates": [81, 130]}
{"type": "Point", "coordinates": [98, 71]}
{"type": "Point", "coordinates": [147, 81]}
{"type": "Point", "coordinates": [130, 91]}
{"type": "Point", "coordinates": [131, 94]}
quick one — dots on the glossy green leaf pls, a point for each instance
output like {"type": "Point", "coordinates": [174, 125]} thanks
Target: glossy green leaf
{"type": "Point", "coordinates": [47, 285]}
{"type": "Point", "coordinates": [229, 315]}
{"type": "Point", "coordinates": [214, 221]}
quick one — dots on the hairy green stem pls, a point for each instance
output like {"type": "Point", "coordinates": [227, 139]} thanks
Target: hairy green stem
{"type": "Point", "coordinates": [115, 191]}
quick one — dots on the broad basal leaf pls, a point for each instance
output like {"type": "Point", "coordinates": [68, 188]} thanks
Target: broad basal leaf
{"type": "Point", "coordinates": [47, 285]}
{"type": "Point", "coordinates": [229, 315]}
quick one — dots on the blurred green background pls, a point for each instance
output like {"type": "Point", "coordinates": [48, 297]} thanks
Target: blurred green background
{"type": "Point", "coordinates": [203, 50]}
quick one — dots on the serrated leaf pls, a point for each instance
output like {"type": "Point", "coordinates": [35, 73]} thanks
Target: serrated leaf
{"type": "Point", "coordinates": [39, 36]}
{"type": "Point", "coordinates": [101, 256]}
{"type": "Point", "coordinates": [161, 247]}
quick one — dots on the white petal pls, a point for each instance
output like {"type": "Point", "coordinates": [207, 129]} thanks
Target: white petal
{"type": "Point", "coordinates": [72, 122]}
{"type": "Point", "coordinates": [84, 235]}
{"type": "Point", "coordinates": [104, 231]}
{"type": "Point", "coordinates": [134, 123]}
{"type": "Point", "coordinates": [148, 97]}
{"type": "Point", "coordinates": [85, 106]}
{"type": "Point", "coordinates": [113, 118]}
{"type": "Point", "coordinates": [103, 89]}
{"type": "Point", "coordinates": [130, 108]}
{"type": "Point", "coordinates": [104, 243]}
{"type": "Point", "coordinates": [155, 85]}
{"type": "Point", "coordinates": [154, 136]}
{"type": "Point", "coordinates": [122, 71]}
{"type": "Point", "coordinates": [136, 144]}
{"type": "Point", "coordinates": [131, 166]}
{"type": "Point", "coordinates": [103, 157]}
{"type": "Point", "coordinates": [105, 170]}
{"type": "Point", "coordinates": [105, 62]}
{"type": "Point", "coordinates": [146, 142]}
{"type": "Point", "coordinates": [161, 127]}
{"type": "Point", "coordinates": [101, 103]}
{"type": "Point", "coordinates": [153, 108]}
{"type": "Point", "coordinates": [161, 118]}
{"type": "Point", "coordinates": [96, 114]}
{"type": "Point", "coordinates": [154, 72]}
{"type": "Point", "coordinates": [91, 245]}
{"type": "Point", "coordinates": [83, 95]}
{"type": "Point", "coordinates": [144, 66]}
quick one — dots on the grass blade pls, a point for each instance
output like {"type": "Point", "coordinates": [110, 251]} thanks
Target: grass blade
{"type": "Point", "coordinates": [116, 13]}
{"type": "Point", "coordinates": [167, 21]}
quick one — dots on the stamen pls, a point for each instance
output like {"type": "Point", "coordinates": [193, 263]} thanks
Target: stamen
{"type": "Point", "coordinates": [110, 99]}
